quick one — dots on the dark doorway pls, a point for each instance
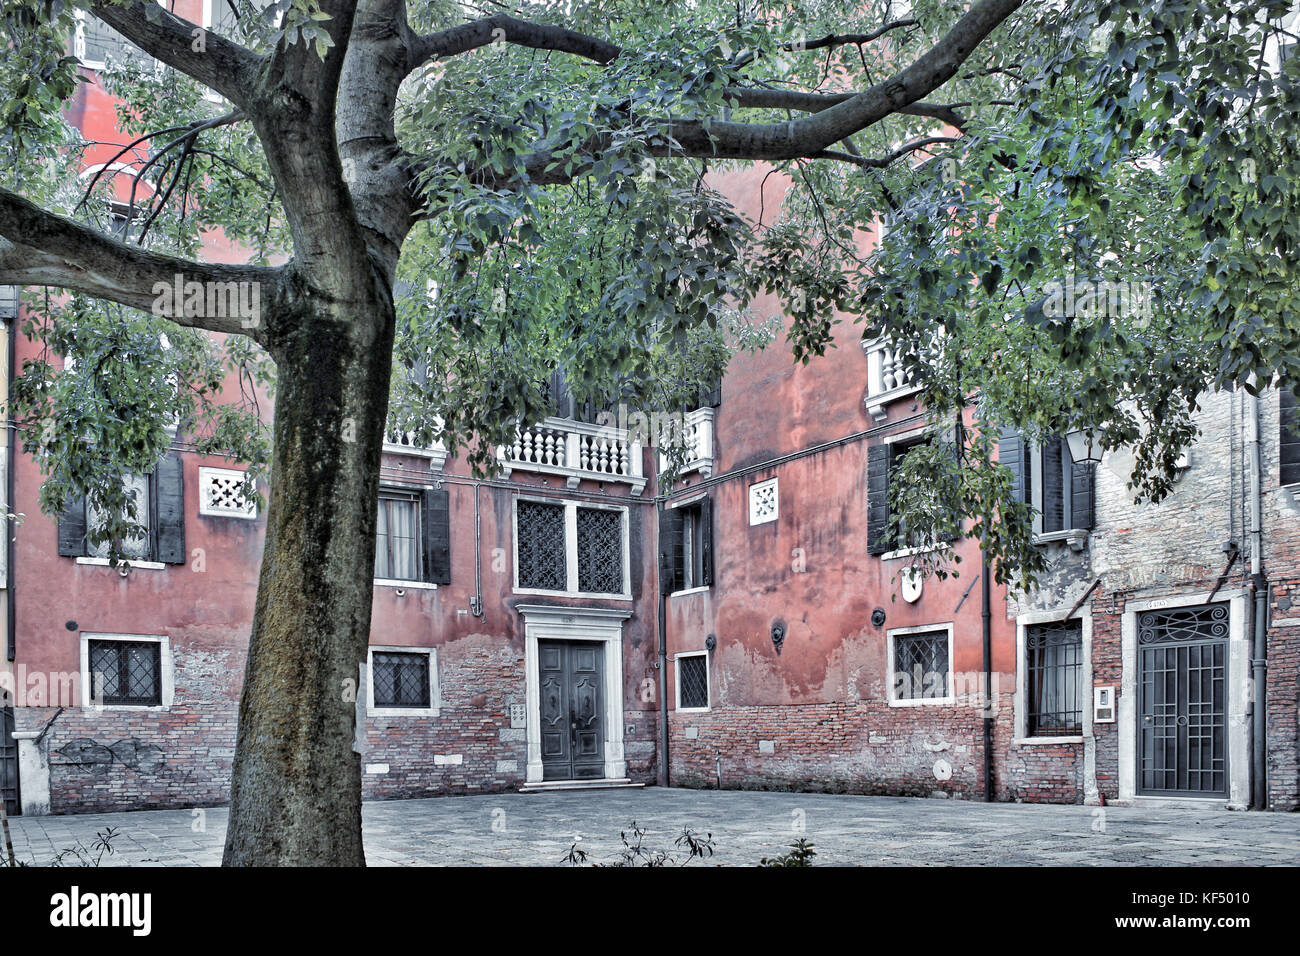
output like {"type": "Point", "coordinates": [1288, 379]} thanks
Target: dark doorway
{"type": "Point", "coordinates": [571, 683]}
{"type": "Point", "coordinates": [1183, 698]}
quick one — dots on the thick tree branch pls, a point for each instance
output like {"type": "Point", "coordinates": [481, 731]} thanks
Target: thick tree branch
{"type": "Point", "coordinates": [223, 65]}
{"type": "Point", "coordinates": [506, 29]}
{"type": "Point", "coordinates": [40, 248]}
{"type": "Point", "coordinates": [762, 98]}
{"type": "Point", "coordinates": [807, 137]}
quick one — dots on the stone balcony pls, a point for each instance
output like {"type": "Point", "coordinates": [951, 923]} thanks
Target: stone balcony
{"type": "Point", "coordinates": [576, 450]}
{"type": "Point", "coordinates": [697, 433]}
{"type": "Point", "coordinates": [404, 443]}
{"type": "Point", "coordinates": [887, 377]}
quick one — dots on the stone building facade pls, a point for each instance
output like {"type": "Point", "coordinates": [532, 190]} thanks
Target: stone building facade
{"type": "Point", "coordinates": [574, 622]}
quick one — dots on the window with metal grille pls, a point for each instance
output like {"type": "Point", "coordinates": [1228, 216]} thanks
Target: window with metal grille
{"type": "Point", "coordinates": [600, 551]}
{"type": "Point", "coordinates": [921, 666]}
{"type": "Point", "coordinates": [540, 546]}
{"type": "Point", "coordinates": [126, 672]}
{"type": "Point", "coordinates": [397, 537]}
{"type": "Point", "coordinates": [1053, 674]}
{"type": "Point", "coordinates": [400, 680]}
{"type": "Point", "coordinates": [693, 682]}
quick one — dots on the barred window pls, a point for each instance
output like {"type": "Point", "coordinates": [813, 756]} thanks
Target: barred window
{"type": "Point", "coordinates": [921, 665]}
{"type": "Point", "coordinates": [693, 682]}
{"type": "Point", "coordinates": [600, 551]}
{"type": "Point", "coordinates": [400, 679]}
{"type": "Point", "coordinates": [1054, 669]}
{"type": "Point", "coordinates": [126, 672]}
{"type": "Point", "coordinates": [540, 546]}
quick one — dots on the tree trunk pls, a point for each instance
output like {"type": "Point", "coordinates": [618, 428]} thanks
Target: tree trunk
{"type": "Point", "coordinates": [296, 788]}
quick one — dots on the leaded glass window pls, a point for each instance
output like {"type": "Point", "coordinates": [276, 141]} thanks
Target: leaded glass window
{"type": "Point", "coordinates": [693, 682]}
{"type": "Point", "coordinates": [541, 546]}
{"type": "Point", "coordinates": [400, 679]}
{"type": "Point", "coordinates": [600, 551]}
{"type": "Point", "coordinates": [1054, 668]}
{"type": "Point", "coordinates": [921, 666]}
{"type": "Point", "coordinates": [126, 672]}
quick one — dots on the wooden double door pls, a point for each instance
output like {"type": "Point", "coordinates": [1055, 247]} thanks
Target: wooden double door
{"type": "Point", "coordinates": [571, 682]}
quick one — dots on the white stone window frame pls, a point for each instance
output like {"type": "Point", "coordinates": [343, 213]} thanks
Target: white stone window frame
{"type": "Point", "coordinates": [248, 513]}
{"type": "Point", "coordinates": [84, 17]}
{"type": "Point", "coordinates": [756, 489]}
{"type": "Point", "coordinates": [435, 691]}
{"type": "Point", "coordinates": [1020, 699]}
{"type": "Point", "coordinates": [166, 665]}
{"type": "Point", "coordinates": [913, 436]}
{"type": "Point", "coordinates": [677, 683]}
{"type": "Point", "coordinates": [891, 692]}
{"type": "Point", "coordinates": [1239, 692]}
{"type": "Point", "coordinates": [571, 507]}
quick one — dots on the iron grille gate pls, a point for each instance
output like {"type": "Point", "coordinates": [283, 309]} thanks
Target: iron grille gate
{"type": "Point", "coordinates": [8, 761]}
{"type": "Point", "coordinates": [1183, 701]}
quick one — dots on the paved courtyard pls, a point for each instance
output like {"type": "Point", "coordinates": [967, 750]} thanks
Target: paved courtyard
{"type": "Point", "coordinates": [514, 829]}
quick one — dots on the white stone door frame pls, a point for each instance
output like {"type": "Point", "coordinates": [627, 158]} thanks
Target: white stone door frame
{"type": "Point", "coordinates": [549, 623]}
{"type": "Point", "coordinates": [1238, 677]}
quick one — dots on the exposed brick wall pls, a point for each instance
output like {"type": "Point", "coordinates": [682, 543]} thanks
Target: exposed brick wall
{"type": "Point", "coordinates": [114, 759]}
{"type": "Point", "coordinates": [842, 747]}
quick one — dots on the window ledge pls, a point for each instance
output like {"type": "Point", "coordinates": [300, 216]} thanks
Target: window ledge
{"type": "Point", "coordinates": [133, 565]}
{"type": "Point", "coordinates": [396, 583]}
{"type": "Point", "coordinates": [149, 708]}
{"type": "Point", "coordinates": [388, 713]}
{"type": "Point", "coordinates": [575, 594]}
{"type": "Point", "coordinates": [1076, 538]}
{"type": "Point", "coordinates": [1292, 491]}
{"type": "Point", "coordinates": [908, 552]}
{"type": "Point", "coordinates": [692, 710]}
{"type": "Point", "coordinates": [924, 702]}
{"type": "Point", "coordinates": [1047, 741]}
{"type": "Point", "coordinates": [701, 589]}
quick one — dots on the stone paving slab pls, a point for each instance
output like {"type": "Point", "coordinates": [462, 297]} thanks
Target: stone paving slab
{"type": "Point", "coordinates": [536, 829]}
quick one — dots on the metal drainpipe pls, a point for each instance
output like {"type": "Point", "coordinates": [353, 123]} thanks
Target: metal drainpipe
{"type": "Point", "coordinates": [663, 656]}
{"type": "Point", "coordinates": [476, 603]}
{"type": "Point", "coordinates": [1259, 588]}
{"type": "Point", "coordinates": [11, 641]}
{"type": "Point", "coordinates": [986, 623]}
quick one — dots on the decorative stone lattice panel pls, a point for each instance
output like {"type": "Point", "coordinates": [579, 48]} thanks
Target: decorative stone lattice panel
{"type": "Point", "coordinates": [763, 500]}
{"type": "Point", "coordinates": [221, 494]}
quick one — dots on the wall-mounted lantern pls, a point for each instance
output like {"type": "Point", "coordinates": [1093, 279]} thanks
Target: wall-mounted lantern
{"type": "Point", "coordinates": [1085, 445]}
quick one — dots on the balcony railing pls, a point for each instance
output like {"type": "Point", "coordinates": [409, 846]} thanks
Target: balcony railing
{"type": "Point", "coordinates": [697, 435]}
{"type": "Point", "coordinates": [404, 443]}
{"type": "Point", "coordinates": [887, 376]}
{"type": "Point", "coordinates": [576, 450]}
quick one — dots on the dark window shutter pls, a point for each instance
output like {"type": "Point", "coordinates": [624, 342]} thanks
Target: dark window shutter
{"type": "Point", "coordinates": [560, 395]}
{"type": "Point", "coordinates": [950, 448]}
{"type": "Point", "coordinates": [1289, 438]}
{"type": "Point", "coordinates": [1011, 454]}
{"type": "Point", "coordinates": [878, 499]}
{"type": "Point", "coordinates": [72, 528]}
{"type": "Point", "coordinates": [671, 572]}
{"type": "Point", "coordinates": [706, 541]}
{"type": "Point", "coordinates": [169, 510]}
{"type": "Point", "coordinates": [1082, 494]}
{"type": "Point", "coordinates": [711, 394]}
{"type": "Point", "coordinates": [437, 535]}
{"type": "Point", "coordinates": [1053, 486]}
